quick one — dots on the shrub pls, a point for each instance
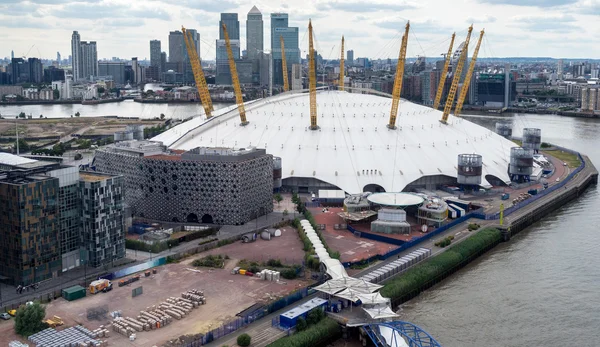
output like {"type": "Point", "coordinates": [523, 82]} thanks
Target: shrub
{"type": "Point", "coordinates": [314, 316]}
{"type": "Point", "coordinates": [316, 335]}
{"type": "Point", "coordinates": [473, 226]}
{"type": "Point", "coordinates": [210, 261]}
{"type": "Point", "coordinates": [28, 320]}
{"type": "Point", "coordinates": [253, 267]}
{"type": "Point", "coordinates": [301, 324]}
{"type": "Point", "coordinates": [244, 340]}
{"type": "Point", "coordinates": [289, 274]}
{"type": "Point", "coordinates": [274, 263]}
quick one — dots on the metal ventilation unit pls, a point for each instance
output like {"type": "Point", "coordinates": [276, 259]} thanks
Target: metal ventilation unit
{"type": "Point", "coordinates": [469, 169]}
{"type": "Point", "coordinates": [521, 164]}
{"type": "Point", "coordinates": [504, 128]}
{"type": "Point", "coordinates": [532, 138]}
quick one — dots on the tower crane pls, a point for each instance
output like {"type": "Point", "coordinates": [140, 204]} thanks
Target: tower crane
{"type": "Point", "coordinates": [440, 90]}
{"type": "Point", "coordinates": [342, 72]}
{"type": "Point", "coordinates": [398, 80]}
{"type": "Point", "coordinates": [286, 84]}
{"type": "Point", "coordinates": [467, 82]}
{"type": "Point", "coordinates": [239, 100]}
{"type": "Point", "coordinates": [198, 73]}
{"type": "Point", "coordinates": [457, 73]}
{"type": "Point", "coordinates": [312, 79]}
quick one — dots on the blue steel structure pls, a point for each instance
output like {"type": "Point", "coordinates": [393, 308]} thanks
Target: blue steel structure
{"type": "Point", "coordinates": [413, 335]}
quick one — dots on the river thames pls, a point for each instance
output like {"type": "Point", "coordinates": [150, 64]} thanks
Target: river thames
{"type": "Point", "coordinates": [539, 289]}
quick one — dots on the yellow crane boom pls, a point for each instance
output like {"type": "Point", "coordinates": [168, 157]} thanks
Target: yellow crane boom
{"type": "Point", "coordinates": [201, 84]}
{"type": "Point", "coordinates": [342, 72]}
{"type": "Point", "coordinates": [286, 85]}
{"type": "Point", "coordinates": [457, 73]}
{"type": "Point", "coordinates": [239, 100]}
{"type": "Point", "coordinates": [312, 79]}
{"type": "Point", "coordinates": [467, 82]}
{"type": "Point", "coordinates": [440, 89]}
{"type": "Point", "coordinates": [398, 80]}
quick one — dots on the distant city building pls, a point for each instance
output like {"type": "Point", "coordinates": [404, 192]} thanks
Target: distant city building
{"type": "Point", "coordinates": [429, 84]}
{"type": "Point", "coordinates": [223, 73]}
{"type": "Point", "coordinates": [296, 77]}
{"type": "Point", "coordinates": [58, 58]}
{"type": "Point", "coordinates": [76, 56]}
{"type": "Point", "coordinates": [89, 60]}
{"type": "Point", "coordinates": [559, 69]}
{"type": "Point", "coordinates": [138, 71]}
{"type": "Point", "coordinates": [178, 53]}
{"type": "Point", "coordinates": [254, 41]}
{"type": "Point", "coordinates": [176, 47]}
{"type": "Point", "coordinates": [114, 69]}
{"type": "Point", "coordinates": [491, 89]}
{"type": "Point", "coordinates": [350, 58]}
{"type": "Point", "coordinates": [202, 185]}
{"type": "Point", "coordinates": [590, 99]}
{"type": "Point", "coordinates": [266, 71]}
{"type": "Point", "coordinates": [155, 53]}
{"type": "Point", "coordinates": [52, 73]}
{"type": "Point", "coordinates": [36, 70]}
{"type": "Point", "coordinates": [280, 28]}
{"type": "Point", "coordinates": [163, 61]}
{"type": "Point", "coordinates": [64, 88]}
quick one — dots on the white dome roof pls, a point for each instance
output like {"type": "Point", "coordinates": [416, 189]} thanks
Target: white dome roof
{"type": "Point", "coordinates": [353, 137]}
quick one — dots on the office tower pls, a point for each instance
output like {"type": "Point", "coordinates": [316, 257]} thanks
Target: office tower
{"type": "Point", "coordinates": [12, 55]}
{"type": "Point", "coordinates": [350, 57]}
{"type": "Point", "coordinates": [176, 47]}
{"type": "Point", "coordinates": [233, 30]}
{"type": "Point", "coordinates": [254, 33]}
{"type": "Point", "coordinates": [155, 53]}
{"type": "Point", "coordinates": [296, 77]}
{"type": "Point", "coordinates": [58, 59]}
{"type": "Point", "coordinates": [163, 61]}
{"type": "Point", "coordinates": [36, 70]}
{"type": "Point", "coordinates": [280, 28]}
{"type": "Point", "coordinates": [89, 60]}
{"type": "Point", "coordinates": [114, 69]}
{"type": "Point", "coordinates": [102, 217]}
{"type": "Point", "coordinates": [76, 54]}
{"type": "Point", "coordinates": [138, 71]}
{"type": "Point", "coordinates": [559, 70]}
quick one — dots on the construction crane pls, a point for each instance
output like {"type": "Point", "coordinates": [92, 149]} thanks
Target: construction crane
{"type": "Point", "coordinates": [440, 90]}
{"type": "Point", "coordinates": [398, 79]}
{"type": "Point", "coordinates": [239, 100]}
{"type": "Point", "coordinates": [201, 84]}
{"type": "Point", "coordinates": [457, 73]}
{"type": "Point", "coordinates": [312, 79]}
{"type": "Point", "coordinates": [342, 72]}
{"type": "Point", "coordinates": [467, 82]}
{"type": "Point", "coordinates": [286, 83]}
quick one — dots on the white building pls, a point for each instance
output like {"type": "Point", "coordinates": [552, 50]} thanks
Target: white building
{"type": "Point", "coordinates": [65, 89]}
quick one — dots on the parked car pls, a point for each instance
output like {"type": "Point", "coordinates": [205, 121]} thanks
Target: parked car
{"type": "Point", "coordinates": [5, 316]}
{"type": "Point", "coordinates": [12, 312]}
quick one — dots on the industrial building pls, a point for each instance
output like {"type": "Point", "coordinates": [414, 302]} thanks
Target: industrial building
{"type": "Point", "coordinates": [204, 184]}
{"type": "Point", "coordinates": [53, 196]}
{"type": "Point", "coordinates": [352, 150]}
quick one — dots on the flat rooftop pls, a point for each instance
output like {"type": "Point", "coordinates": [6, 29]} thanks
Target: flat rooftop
{"type": "Point", "coordinates": [93, 176]}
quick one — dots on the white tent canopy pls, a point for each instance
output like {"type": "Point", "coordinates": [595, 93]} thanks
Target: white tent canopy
{"type": "Point", "coordinates": [335, 269]}
{"type": "Point", "coordinates": [380, 312]}
{"type": "Point", "coordinates": [372, 299]}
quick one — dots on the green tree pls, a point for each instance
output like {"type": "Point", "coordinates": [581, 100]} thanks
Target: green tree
{"type": "Point", "coordinates": [77, 114]}
{"type": "Point", "coordinates": [277, 197]}
{"type": "Point", "coordinates": [101, 90]}
{"type": "Point", "coordinates": [285, 213]}
{"type": "Point", "coordinates": [55, 94]}
{"type": "Point", "coordinates": [301, 324]}
{"type": "Point", "coordinates": [59, 148]}
{"type": "Point", "coordinates": [244, 340]}
{"type": "Point", "coordinates": [41, 116]}
{"type": "Point", "coordinates": [314, 316]}
{"type": "Point", "coordinates": [23, 146]}
{"type": "Point", "coordinates": [162, 116]}
{"type": "Point", "coordinates": [22, 115]}
{"type": "Point", "coordinates": [28, 320]}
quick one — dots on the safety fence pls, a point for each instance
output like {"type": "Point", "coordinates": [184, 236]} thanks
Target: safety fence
{"type": "Point", "coordinates": [247, 318]}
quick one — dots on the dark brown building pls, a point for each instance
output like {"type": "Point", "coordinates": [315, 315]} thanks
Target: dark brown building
{"type": "Point", "coordinates": [29, 228]}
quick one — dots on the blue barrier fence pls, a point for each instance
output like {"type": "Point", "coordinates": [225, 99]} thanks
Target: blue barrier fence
{"type": "Point", "coordinates": [135, 268]}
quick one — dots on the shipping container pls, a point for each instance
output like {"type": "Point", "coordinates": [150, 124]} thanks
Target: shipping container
{"type": "Point", "coordinates": [460, 212]}
{"type": "Point", "coordinates": [73, 293]}
{"type": "Point", "coordinates": [289, 318]}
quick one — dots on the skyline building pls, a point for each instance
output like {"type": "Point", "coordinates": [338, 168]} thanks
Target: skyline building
{"type": "Point", "coordinates": [155, 53]}
{"type": "Point", "coordinates": [350, 57]}
{"type": "Point", "coordinates": [89, 59]}
{"type": "Point", "coordinates": [223, 73]}
{"type": "Point", "coordinates": [176, 47]}
{"type": "Point", "coordinates": [280, 28]}
{"type": "Point", "coordinates": [254, 33]}
{"type": "Point", "coordinates": [76, 54]}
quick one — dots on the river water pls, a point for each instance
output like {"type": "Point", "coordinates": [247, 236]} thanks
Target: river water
{"type": "Point", "coordinates": [126, 108]}
{"type": "Point", "coordinates": [539, 289]}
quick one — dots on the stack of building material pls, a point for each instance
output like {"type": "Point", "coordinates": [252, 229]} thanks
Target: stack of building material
{"type": "Point", "coordinates": [75, 336]}
{"type": "Point", "coordinates": [196, 296]}
{"type": "Point", "coordinates": [269, 275]}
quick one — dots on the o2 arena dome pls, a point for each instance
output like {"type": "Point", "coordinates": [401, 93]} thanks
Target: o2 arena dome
{"type": "Point", "coordinates": [353, 149]}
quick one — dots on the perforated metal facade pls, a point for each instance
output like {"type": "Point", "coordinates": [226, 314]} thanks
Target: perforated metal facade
{"type": "Point", "coordinates": [202, 185]}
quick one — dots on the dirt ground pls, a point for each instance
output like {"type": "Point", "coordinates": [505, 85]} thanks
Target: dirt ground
{"type": "Point", "coordinates": [350, 247]}
{"type": "Point", "coordinates": [60, 127]}
{"type": "Point", "coordinates": [287, 248]}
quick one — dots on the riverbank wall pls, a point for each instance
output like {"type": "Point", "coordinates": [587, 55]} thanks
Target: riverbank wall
{"type": "Point", "coordinates": [60, 102]}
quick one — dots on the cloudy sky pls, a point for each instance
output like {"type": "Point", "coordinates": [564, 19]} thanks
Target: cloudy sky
{"type": "Point", "coordinates": [123, 28]}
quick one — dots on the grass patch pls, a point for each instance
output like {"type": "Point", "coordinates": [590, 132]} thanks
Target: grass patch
{"type": "Point", "coordinates": [414, 279]}
{"type": "Point", "coordinates": [319, 334]}
{"type": "Point", "coordinates": [518, 142]}
{"type": "Point", "coordinates": [217, 261]}
{"type": "Point", "coordinates": [571, 159]}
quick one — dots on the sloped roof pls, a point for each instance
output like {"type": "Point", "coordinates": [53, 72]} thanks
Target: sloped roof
{"type": "Point", "coordinates": [254, 10]}
{"type": "Point", "coordinates": [353, 140]}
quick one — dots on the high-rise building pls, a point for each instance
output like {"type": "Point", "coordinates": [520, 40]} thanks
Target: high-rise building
{"type": "Point", "coordinates": [254, 33]}
{"type": "Point", "coordinates": [178, 56]}
{"type": "Point", "coordinates": [102, 220]}
{"type": "Point", "coordinates": [58, 59]}
{"type": "Point", "coordinates": [559, 70]}
{"type": "Point", "coordinates": [350, 57]}
{"type": "Point", "coordinates": [266, 71]}
{"type": "Point", "coordinates": [429, 84]}
{"type": "Point", "coordinates": [138, 71]}
{"type": "Point", "coordinates": [232, 23]}
{"type": "Point", "coordinates": [114, 69]}
{"type": "Point", "coordinates": [76, 55]}
{"type": "Point", "coordinates": [296, 77]}
{"type": "Point", "coordinates": [12, 55]}
{"type": "Point", "coordinates": [163, 61]}
{"type": "Point", "coordinates": [19, 71]}
{"type": "Point", "coordinates": [36, 70]}
{"type": "Point", "coordinates": [89, 60]}
{"type": "Point", "coordinates": [280, 28]}
{"type": "Point", "coordinates": [176, 47]}
{"type": "Point", "coordinates": [155, 52]}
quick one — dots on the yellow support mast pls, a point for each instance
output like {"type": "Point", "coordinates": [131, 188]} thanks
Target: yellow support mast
{"type": "Point", "coordinates": [457, 74]}
{"type": "Point", "coordinates": [398, 80]}
{"type": "Point", "coordinates": [467, 82]}
{"type": "Point", "coordinates": [440, 90]}
{"type": "Point", "coordinates": [286, 84]}
{"type": "Point", "coordinates": [201, 84]}
{"type": "Point", "coordinates": [342, 72]}
{"type": "Point", "coordinates": [239, 100]}
{"type": "Point", "coordinates": [312, 79]}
